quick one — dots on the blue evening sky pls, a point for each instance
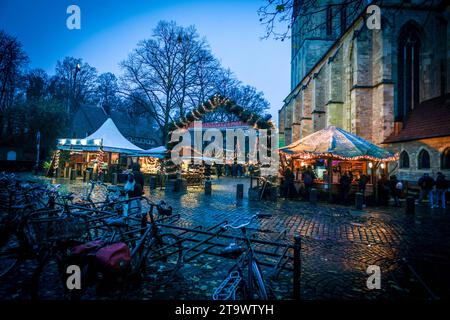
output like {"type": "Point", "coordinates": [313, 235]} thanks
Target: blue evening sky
{"type": "Point", "coordinates": [110, 29]}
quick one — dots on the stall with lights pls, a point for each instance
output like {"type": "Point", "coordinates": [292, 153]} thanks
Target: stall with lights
{"type": "Point", "coordinates": [102, 152]}
{"type": "Point", "coordinates": [331, 152]}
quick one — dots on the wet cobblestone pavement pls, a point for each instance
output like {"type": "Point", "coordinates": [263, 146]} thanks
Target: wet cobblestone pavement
{"type": "Point", "coordinates": [338, 244]}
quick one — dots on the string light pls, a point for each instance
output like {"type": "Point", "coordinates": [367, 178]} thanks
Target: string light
{"type": "Point", "coordinates": [56, 162]}
{"type": "Point", "coordinates": [311, 156]}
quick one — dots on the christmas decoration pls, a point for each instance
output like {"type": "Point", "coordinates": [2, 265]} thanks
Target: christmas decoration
{"type": "Point", "coordinates": [99, 160]}
{"type": "Point", "coordinates": [56, 162]}
{"type": "Point", "coordinates": [209, 106]}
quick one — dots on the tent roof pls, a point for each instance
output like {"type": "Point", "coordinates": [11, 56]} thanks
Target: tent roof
{"type": "Point", "coordinates": [112, 139]}
{"type": "Point", "coordinates": [336, 143]}
{"type": "Point", "coordinates": [160, 149]}
{"type": "Point", "coordinates": [157, 152]}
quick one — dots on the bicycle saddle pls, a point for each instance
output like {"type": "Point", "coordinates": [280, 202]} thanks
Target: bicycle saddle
{"type": "Point", "coordinates": [232, 250]}
{"type": "Point", "coordinates": [116, 222]}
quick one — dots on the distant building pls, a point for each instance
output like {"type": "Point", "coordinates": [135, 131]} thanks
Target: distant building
{"type": "Point", "coordinates": [137, 130]}
{"type": "Point", "coordinates": [390, 86]}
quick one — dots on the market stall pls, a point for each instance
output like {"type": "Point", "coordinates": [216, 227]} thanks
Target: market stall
{"type": "Point", "coordinates": [151, 160]}
{"type": "Point", "coordinates": [332, 152]}
{"type": "Point", "coordinates": [103, 152]}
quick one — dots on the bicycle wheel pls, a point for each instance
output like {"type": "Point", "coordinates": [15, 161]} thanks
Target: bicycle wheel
{"type": "Point", "coordinates": [259, 291]}
{"type": "Point", "coordinates": [9, 253]}
{"type": "Point", "coordinates": [49, 279]}
{"type": "Point", "coordinates": [162, 260]}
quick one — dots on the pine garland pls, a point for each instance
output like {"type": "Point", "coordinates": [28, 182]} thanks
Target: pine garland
{"type": "Point", "coordinates": [210, 105]}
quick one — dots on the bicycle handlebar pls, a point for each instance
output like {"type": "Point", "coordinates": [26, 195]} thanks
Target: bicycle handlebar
{"type": "Point", "coordinates": [258, 215]}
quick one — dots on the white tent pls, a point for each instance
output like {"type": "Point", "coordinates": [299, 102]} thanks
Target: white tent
{"type": "Point", "coordinates": [157, 152]}
{"type": "Point", "coordinates": [107, 137]}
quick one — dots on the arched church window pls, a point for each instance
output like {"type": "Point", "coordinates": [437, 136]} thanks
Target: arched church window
{"type": "Point", "coordinates": [424, 159]}
{"type": "Point", "coordinates": [445, 161]}
{"type": "Point", "coordinates": [408, 70]}
{"type": "Point", "coordinates": [404, 160]}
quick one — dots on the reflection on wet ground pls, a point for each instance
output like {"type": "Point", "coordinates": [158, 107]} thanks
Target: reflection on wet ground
{"type": "Point", "coordinates": [338, 244]}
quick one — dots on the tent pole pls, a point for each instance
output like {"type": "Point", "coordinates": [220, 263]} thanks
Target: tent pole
{"type": "Point", "coordinates": [330, 178]}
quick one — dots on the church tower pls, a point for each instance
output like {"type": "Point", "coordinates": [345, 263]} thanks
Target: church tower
{"type": "Point", "coordinates": [317, 25]}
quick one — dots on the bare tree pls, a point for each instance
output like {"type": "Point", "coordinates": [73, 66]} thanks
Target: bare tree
{"type": "Point", "coordinates": [77, 81]}
{"type": "Point", "coordinates": [174, 72]}
{"type": "Point", "coordinates": [107, 91]}
{"type": "Point", "coordinates": [226, 83]}
{"type": "Point", "coordinates": [279, 16]}
{"type": "Point", "coordinates": [161, 74]}
{"type": "Point", "coordinates": [37, 85]}
{"type": "Point", "coordinates": [12, 60]}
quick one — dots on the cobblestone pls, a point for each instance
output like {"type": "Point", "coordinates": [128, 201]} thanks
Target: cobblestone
{"type": "Point", "coordinates": [338, 244]}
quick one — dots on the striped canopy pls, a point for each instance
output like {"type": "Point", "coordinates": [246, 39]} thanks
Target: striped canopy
{"type": "Point", "coordinates": [336, 143]}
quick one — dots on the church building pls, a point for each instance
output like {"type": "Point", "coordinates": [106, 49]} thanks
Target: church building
{"type": "Point", "coordinates": [387, 83]}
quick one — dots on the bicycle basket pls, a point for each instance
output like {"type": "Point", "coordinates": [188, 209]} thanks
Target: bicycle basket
{"type": "Point", "coordinates": [57, 228]}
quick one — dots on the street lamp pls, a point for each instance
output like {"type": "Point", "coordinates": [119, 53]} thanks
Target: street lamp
{"type": "Point", "coordinates": [77, 69]}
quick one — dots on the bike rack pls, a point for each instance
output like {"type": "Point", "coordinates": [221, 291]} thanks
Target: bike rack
{"type": "Point", "coordinates": [198, 241]}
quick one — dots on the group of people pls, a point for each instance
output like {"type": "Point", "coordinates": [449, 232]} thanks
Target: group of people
{"type": "Point", "coordinates": [288, 189]}
{"type": "Point", "coordinates": [434, 189]}
{"type": "Point", "coordinates": [345, 183]}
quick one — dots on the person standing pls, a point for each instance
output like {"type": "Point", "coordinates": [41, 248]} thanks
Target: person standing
{"type": "Point", "coordinates": [289, 188]}
{"type": "Point", "coordinates": [442, 185]}
{"type": "Point", "coordinates": [362, 183]}
{"type": "Point", "coordinates": [426, 184]}
{"type": "Point", "coordinates": [383, 191]}
{"type": "Point", "coordinates": [308, 181]}
{"type": "Point", "coordinates": [344, 185]}
{"type": "Point", "coordinates": [395, 189]}
{"type": "Point", "coordinates": [133, 190]}
{"type": "Point", "coordinates": [218, 170]}
{"type": "Point", "coordinates": [138, 176]}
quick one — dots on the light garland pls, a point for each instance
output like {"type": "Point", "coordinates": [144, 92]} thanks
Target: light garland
{"type": "Point", "coordinates": [150, 165]}
{"type": "Point", "coordinates": [210, 105]}
{"type": "Point", "coordinates": [309, 156]}
{"type": "Point", "coordinates": [99, 160]}
{"type": "Point", "coordinates": [56, 162]}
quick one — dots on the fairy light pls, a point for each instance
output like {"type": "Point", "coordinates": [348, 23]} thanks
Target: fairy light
{"type": "Point", "coordinates": [56, 162]}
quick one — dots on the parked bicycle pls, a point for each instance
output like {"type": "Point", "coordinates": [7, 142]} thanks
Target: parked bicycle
{"type": "Point", "coordinates": [245, 279]}
{"type": "Point", "coordinates": [131, 253]}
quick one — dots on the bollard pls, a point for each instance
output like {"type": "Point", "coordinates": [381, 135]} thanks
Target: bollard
{"type": "Point", "coordinates": [114, 178]}
{"type": "Point", "coordinates": [178, 186]}
{"type": "Point", "coordinates": [240, 191]}
{"type": "Point", "coordinates": [152, 183]}
{"type": "Point", "coordinates": [208, 187]}
{"type": "Point", "coordinates": [72, 173]}
{"type": "Point", "coordinates": [410, 205]}
{"type": "Point", "coordinates": [84, 175]}
{"type": "Point", "coordinates": [51, 202]}
{"type": "Point", "coordinates": [359, 200]}
{"type": "Point", "coordinates": [313, 196]}
{"type": "Point", "coordinates": [297, 266]}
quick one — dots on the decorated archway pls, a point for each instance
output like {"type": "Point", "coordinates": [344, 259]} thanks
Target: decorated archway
{"type": "Point", "coordinates": [217, 100]}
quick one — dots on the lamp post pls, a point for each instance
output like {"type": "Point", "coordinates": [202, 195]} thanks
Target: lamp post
{"type": "Point", "coordinates": [38, 145]}
{"type": "Point", "coordinates": [77, 69]}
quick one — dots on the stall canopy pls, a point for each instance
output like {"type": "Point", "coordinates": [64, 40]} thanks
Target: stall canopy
{"type": "Point", "coordinates": [158, 152]}
{"type": "Point", "coordinates": [336, 143]}
{"type": "Point", "coordinates": [107, 137]}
